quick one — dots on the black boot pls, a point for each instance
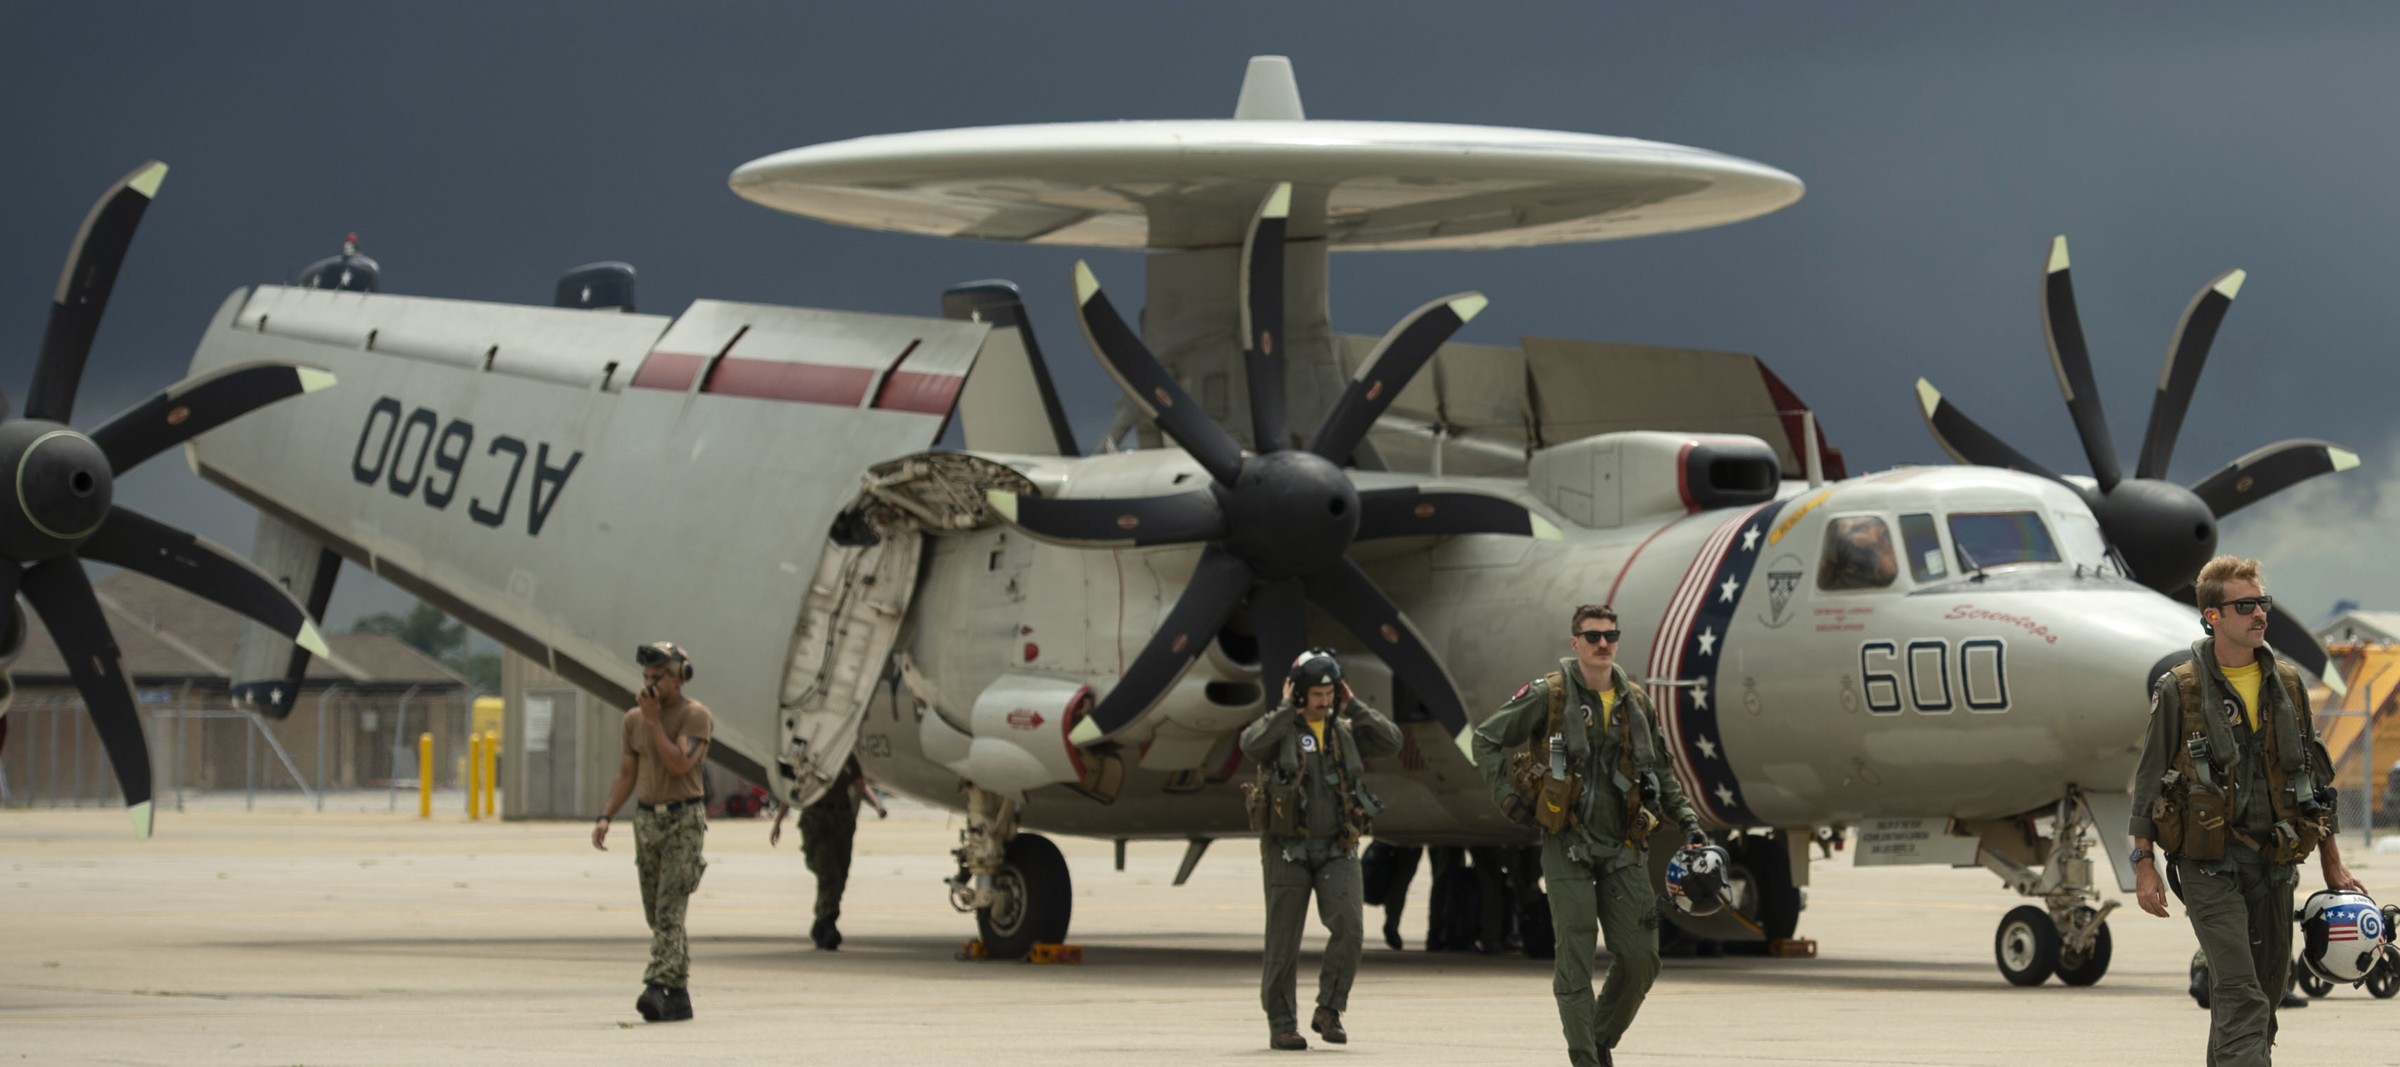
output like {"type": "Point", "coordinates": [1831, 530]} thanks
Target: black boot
{"type": "Point", "coordinates": [652, 1003]}
{"type": "Point", "coordinates": [833, 937]}
{"type": "Point", "coordinates": [1391, 932]}
{"type": "Point", "coordinates": [679, 1005]}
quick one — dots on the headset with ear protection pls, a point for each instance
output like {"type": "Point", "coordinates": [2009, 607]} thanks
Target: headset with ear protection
{"type": "Point", "coordinates": [658, 653]}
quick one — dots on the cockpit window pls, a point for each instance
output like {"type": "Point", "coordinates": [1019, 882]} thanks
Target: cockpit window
{"type": "Point", "coordinates": [1999, 538]}
{"type": "Point", "coordinates": [1858, 554]}
{"type": "Point", "coordinates": [1924, 541]}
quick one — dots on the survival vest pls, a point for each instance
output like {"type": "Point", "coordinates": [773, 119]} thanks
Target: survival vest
{"type": "Point", "coordinates": [1557, 801]}
{"type": "Point", "coordinates": [2201, 794]}
{"type": "Point", "coordinates": [1276, 800]}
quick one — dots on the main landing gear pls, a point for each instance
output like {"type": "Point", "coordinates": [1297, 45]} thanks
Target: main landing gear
{"type": "Point", "coordinates": [2067, 933]}
{"type": "Point", "coordinates": [1016, 883]}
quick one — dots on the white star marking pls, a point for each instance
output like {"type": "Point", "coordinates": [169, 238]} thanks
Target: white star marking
{"type": "Point", "coordinates": [1725, 796]}
{"type": "Point", "coordinates": [1700, 695]}
{"type": "Point", "coordinates": [1732, 585]}
{"type": "Point", "coordinates": [1750, 539]}
{"type": "Point", "coordinates": [1708, 748]}
{"type": "Point", "coordinates": [1708, 641]}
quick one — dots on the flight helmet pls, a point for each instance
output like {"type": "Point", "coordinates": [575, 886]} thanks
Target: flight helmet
{"type": "Point", "coordinates": [1697, 880]}
{"type": "Point", "coordinates": [2342, 935]}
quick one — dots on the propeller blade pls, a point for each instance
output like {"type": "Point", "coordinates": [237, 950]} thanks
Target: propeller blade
{"type": "Point", "coordinates": [137, 542]}
{"type": "Point", "coordinates": [1396, 359]}
{"type": "Point", "coordinates": [1279, 616]}
{"type": "Point", "coordinates": [2185, 355]}
{"type": "Point", "coordinates": [1216, 585]}
{"type": "Point", "coordinates": [1966, 441]}
{"type": "Point", "coordinates": [1346, 593]}
{"type": "Point", "coordinates": [83, 288]}
{"type": "Point", "coordinates": [2269, 470]}
{"type": "Point", "coordinates": [1415, 512]}
{"type": "Point", "coordinates": [195, 406]}
{"type": "Point", "coordinates": [2064, 330]}
{"type": "Point", "coordinates": [62, 594]}
{"type": "Point", "coordinates": [2293, 640]}
{"type": "Point", "coordinates": [1114, 523]}
{"type": "Point", "coordinates": [1262, 321]}
{"type": "Point", "coordinates": [1146, 382]}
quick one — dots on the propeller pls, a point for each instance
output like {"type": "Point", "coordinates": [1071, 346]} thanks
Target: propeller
{"type": "Point", "coordinates": [64, 487]}
{"type": "Point", "coordinates": [1277, 524]}
{"type": "Point", "coordinates": [2162, 530]}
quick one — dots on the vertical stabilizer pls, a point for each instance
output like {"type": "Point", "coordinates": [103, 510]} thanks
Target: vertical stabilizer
{"type": "Point", "coordinates": [1269, 92]}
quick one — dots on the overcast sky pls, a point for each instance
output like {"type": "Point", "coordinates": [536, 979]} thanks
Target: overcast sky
{"type": "Point", "coordinates": [481, 148]}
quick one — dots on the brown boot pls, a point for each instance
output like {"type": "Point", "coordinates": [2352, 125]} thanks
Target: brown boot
{"type": "Point", "coordinates": [1287, 1041]}
{"type": "Point", "coordinates": [1329, 1023]}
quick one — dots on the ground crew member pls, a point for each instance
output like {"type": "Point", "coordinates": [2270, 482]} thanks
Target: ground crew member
{"type": "Point", "coordinates": [1310, 807]}
{"type": "Point", "coordinates": [666, 741]}
{"type": "Point", "coordinates": [827, 829]}
{"type": "Point", "coordinates": [2234, 786]}
{"type": "Point", "coordinates": [1598, 780]}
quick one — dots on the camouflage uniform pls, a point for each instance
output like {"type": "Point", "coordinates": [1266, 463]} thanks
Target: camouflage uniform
{"type": "Point", "coordinates": [667, 855]}
{"type": "Point", "coordinates": [1324, 862]}
{"type": "Point", "coordinates": [1599, 883]}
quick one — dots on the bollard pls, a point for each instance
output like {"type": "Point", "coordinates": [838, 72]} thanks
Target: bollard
{"type": "Point", "coordinates": [491, 774]}
{"type": "Point", "coordinates": [474, 777]}
{"type": "Point", "coordinates": [425, 776]}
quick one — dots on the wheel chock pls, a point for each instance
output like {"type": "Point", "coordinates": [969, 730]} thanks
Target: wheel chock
{"type": "Point", "coordinates": [1045, 953]}
{"type": "Point", "coordinates": [973, 950]}
{"type": "Point", "coordinates": [1792, 948]}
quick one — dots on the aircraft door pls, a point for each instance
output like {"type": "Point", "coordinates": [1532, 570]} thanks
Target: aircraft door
{"type": "Point", "coordinates": [848, 627]}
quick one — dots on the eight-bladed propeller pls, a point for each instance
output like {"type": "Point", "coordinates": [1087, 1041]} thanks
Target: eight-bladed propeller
{"type": "Point", "coordinates": [62, 484]}
{"type": "Point", "coordinates": [1277, 523]}
{"type": "Point", "coordinates": [2163, 531]}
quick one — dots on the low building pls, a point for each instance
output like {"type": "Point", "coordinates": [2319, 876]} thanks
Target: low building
{"type": "Point", "coordinates": [355, 725]}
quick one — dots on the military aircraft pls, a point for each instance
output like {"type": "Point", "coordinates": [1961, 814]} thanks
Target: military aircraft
{"type": "Point", "coordinates": [1056, 639]}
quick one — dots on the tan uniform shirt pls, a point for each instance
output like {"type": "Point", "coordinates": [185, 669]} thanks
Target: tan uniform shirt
{"type": "Point", "coordinates": [652, 784]}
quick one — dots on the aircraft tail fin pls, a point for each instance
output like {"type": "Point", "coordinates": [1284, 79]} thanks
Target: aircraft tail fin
{"type": "Point", "coordinates": [995, 409]}
{"type": "Point", "coordinates": [267, 667]}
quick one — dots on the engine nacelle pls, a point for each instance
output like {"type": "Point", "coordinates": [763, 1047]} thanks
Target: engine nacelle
{"type": "Point", "coordinates": [1017, 735]}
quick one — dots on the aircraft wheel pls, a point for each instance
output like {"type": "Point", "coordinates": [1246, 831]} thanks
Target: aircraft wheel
{"type": "Point", "coordinates": [1035, 898]}
{"type": "Point", "coordinates": [2026, 946]}
{"type": "Point", "coordinates": [2384, 980]}
{"type": "Point", "coordinates": [1763, 889]}
{"type": "Point", "coordinates": [2309, 982]}
{"type": "Point", "coordinates": [2085, 968]}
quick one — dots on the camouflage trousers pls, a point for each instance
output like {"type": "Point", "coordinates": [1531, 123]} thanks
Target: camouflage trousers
{"type": "Point", "coordinates": [666, 853]}
{"type": "Point", "coordinates": [826, 832]}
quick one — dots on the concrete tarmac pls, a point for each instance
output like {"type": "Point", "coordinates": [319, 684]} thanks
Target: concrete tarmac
{"type": "Point", "coordinates": [367, 938]}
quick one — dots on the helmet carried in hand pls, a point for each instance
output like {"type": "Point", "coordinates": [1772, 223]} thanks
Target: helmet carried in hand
{"type": "Point", "coordinates": [2342, 935]}
{"type": "Point", "coordinates": [1698, 880]}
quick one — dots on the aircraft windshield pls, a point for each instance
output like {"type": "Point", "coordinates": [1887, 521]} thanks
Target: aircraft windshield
{"type": "Point", "coordinates": [2000, 538]}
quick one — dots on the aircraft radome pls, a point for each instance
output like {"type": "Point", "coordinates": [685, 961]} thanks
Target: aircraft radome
{"type": "Point", "coordinates": [1066, 639]}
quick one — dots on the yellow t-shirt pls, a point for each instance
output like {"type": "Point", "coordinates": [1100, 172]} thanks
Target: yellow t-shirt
{"type": "Point", "coordinates": [2244, 680]}
{"type": "Point", "coordinates": [1317, 728]}
{"type": "Point", "coordinates": [1608, 708]}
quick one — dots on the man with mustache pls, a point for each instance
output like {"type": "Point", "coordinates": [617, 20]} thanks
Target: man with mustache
{"type": "Point", "coordinates": [2235, 787]}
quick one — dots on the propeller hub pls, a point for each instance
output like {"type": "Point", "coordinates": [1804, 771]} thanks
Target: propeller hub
{"type": "Point", "coordinates": [59, 489]}
{"type": "Point", "coordinates": [2164, 531]}
{"type": "Point", "coordinates": [1290, 513]}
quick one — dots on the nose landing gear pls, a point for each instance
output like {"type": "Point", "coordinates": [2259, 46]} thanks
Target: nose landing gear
{"type": "Point", "coordinates": [2067, 934]}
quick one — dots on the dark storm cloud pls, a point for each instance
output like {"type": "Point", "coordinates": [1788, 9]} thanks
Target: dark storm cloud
{"type": "Point", "coordinates": [479, 149]}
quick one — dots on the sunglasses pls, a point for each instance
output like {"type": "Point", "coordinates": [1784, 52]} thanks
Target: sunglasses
{"type": "Point", "coordinates": [1601, 637]}
{"type": "Point", "coordinates": [2249, 605]}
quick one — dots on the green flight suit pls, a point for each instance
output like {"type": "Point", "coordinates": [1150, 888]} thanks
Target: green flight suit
{"type": "Point", "coordinates": [1325, 862]}
{"type": "Point", "coordinates": [1599, 884]}
{"type": "Point", "coordinates": [827, 830]}
{"type": "Point", "coordinates": [2240, 906]}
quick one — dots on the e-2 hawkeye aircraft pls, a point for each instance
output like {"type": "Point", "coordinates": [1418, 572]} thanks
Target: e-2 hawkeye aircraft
{"type": "Point", "coordinates": [1065, 642]}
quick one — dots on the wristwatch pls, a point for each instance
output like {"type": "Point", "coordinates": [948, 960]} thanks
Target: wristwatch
{"type": "Point", "coordinates": [2137, 855]}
